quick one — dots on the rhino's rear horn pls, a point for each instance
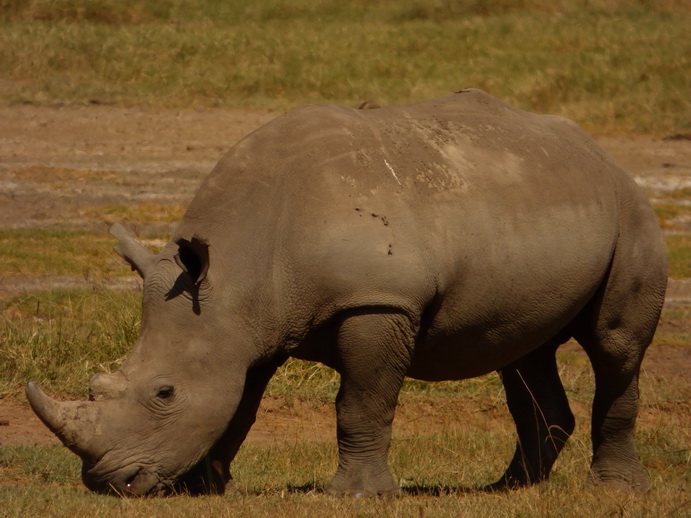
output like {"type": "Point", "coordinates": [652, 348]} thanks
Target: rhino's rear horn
{"type": "Point", "coordinates": [106, 386]}
{"type": "Point", "coordinates": [193, 258]}
{"type": "Point", "coordinates": [137, 255]}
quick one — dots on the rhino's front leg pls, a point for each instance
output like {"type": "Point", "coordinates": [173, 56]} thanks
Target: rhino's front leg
{"type": "Point", "coordinates": [212, 474]}
{"type": "Point", "coordinates": [373, 354]}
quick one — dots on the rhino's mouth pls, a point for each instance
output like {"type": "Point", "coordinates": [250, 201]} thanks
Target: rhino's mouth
{"type": "Point", "coordinates": [137, 479]}
{"type": "Point", "coordinates": [140, 481]}
{"type": "Point", "coordinates": [131, 481]}
{"type": "Point", "coordinates": [144, 483]}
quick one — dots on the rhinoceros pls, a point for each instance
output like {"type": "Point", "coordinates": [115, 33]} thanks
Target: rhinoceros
{"type": "Point", "coordinates": [441, 241]}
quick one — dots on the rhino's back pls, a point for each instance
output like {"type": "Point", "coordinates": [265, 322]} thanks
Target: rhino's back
{"type": "Point", "coordinates": [464, 182]}
{"type": "Point", "coordinates": [462, 148]}
{"type": "Point", "coordinates": [487, 213]}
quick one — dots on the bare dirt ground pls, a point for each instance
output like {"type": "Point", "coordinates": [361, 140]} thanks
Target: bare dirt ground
{"type": "Point", "coordinates": [59, 165]}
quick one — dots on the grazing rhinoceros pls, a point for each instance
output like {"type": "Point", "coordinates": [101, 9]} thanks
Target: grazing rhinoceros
{"type": "Point", "coordinates": [441, 241]}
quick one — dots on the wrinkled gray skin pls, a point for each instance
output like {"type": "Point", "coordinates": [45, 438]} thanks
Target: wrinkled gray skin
{"type": "Point", "coordinates": [441, 240]}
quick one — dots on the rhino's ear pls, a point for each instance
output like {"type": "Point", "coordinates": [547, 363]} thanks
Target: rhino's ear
{"type": "Point", "coordinates": [193, 258]}
{"type": "Point", "coordinates": [137, 255]}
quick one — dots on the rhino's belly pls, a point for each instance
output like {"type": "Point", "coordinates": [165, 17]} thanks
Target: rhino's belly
{"type": "Point", "coordinates": [469, 355]}
{"type": "Point", "coordinates": [469, 337]}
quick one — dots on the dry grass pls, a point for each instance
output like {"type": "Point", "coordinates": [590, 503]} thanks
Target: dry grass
{"type": "Point", "coordinates": [609, 65]}
{"type": "Point", "coordinates": [142, 213]}
{"type": "Point", "coordinates": [439, 468]}
{"type": "Point", "coordinates": [36, 252]}
{"type": "Point", "coordinates": [679, 255]}
{"type": "Point", "coordinates": [62, 338]}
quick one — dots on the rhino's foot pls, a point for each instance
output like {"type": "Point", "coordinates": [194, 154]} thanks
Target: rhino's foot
{"type": "Point", "coordinates": [363, 480]}
{"type": "Point", "coordinates": [631, 477]}
{"type": "Point", "coordinates": [363, 492]}
{"type": "Point", "coordinates": [373, 352]}
{"type": "Point", "coordinates": [509, 483]}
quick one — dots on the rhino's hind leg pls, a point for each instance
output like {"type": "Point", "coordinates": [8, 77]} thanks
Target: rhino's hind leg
{"type": "Point", "coordinates": [372, 355]}
{"type": "Point", "coordinates": [615, 408]}
{"type": "Point", "coordinates": [615, 331]}
{"type": "Point", "coordinates": [616, 357]}
{"type": "Point", "coordinates": [544, 422]}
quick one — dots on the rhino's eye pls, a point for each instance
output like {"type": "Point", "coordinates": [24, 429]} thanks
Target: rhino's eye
{"type": "Point", "coordinates": [165, 392]}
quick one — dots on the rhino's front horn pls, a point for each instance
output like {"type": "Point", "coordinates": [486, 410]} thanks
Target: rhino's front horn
{"type": "Point", "coordinates": [73, 422]}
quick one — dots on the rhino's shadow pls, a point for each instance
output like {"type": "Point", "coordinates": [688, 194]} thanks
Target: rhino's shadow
{"type": "Point", "coordinates": [437, 490]}
{"type": "Point", "coordinates": [182, 285]}
{"type": "Point", "coordinates": [309, 487]}
{"type": "Point", "coordinates": [409, 490]}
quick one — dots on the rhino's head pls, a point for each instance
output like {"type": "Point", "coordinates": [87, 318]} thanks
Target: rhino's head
{"type": "Point", "coordinates": [152, 422]}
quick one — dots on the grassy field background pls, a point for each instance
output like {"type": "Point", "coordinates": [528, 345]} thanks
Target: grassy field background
{"type": "Point", "coordinates": [614, 66]}
{"type": "Point", "coordinates": [611, 65]}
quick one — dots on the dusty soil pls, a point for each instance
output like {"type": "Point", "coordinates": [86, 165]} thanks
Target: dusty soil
{"type": "Point", "coordinates": [59, 165]}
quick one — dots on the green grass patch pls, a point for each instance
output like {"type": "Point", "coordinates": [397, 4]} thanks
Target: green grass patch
{"type": "Point", "coordinates": [304, 380]}
{"type": "Point", "coordinates": [47, 464]}
{"type": "Point", "coordinates": [677, 194]}
{"type": "Point", "coordinates": [54, 251]}
{"type": "Point", "coordinates": [611, 66]}
{"type": "Point", "coordinates": [674, 211]}
{"type": "Point", "coordinates": [679, 255]}
{"type": "Point", "coordinates": [134, 12]}
{"type": "Point", "coordinates": [142, 213]}
{"type": "Point", "coordinates": [62, 338]}
{"type": "Point", "coordinates": [314, 381]}
{"type": "Point", "coordinates": [667, 213]}
{"type": "Point", "coordinates": [675, 326]}
{"type": "Point", "coordinates": [482, 386]}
